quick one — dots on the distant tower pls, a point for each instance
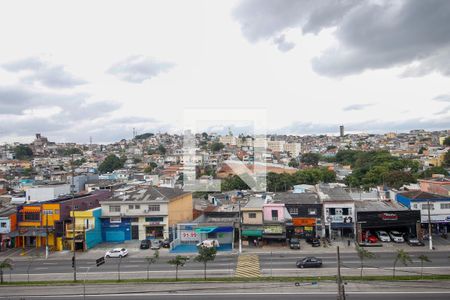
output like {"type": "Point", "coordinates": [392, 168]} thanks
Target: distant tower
{"type": "Point", "coordinates": [134, 133]}
{"type": "Point", "coordinates": [341, 130]}
{"type": "Point", "coordinates": [90, 140]}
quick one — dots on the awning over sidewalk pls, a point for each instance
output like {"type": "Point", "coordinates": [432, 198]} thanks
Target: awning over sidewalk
{"type": "Point", "coordinates": [256, 233]}
{"type": "Point", "coordinates": [42, 232]}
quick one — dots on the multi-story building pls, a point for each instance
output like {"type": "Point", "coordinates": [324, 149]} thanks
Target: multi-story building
{"type": "Point", "coordinates": [142, 212]}
{"type": "Point", "coordinates": [8, 221]}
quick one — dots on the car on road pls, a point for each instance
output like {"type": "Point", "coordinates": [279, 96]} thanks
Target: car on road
{"type": "Point", "coordinates": [396, 236]}
{"type": "Point", "coordinates": [208, 244]}
{"type": "Point", "coordinates": [165, 243]}
{"type": "Point", "coordinates": [155, 244]}
{"type": "Point", "coordinates": [412, 240]}
{"type": "Point", "coordinates": [366, 236]}
{"type": "Point", "coordinates": [117, 252]}
{"type": "Point", "coordinates": [145, 244]}
{"type": "Point", "coordinates": [315, 242]}
{"type": "Point", "coordinates": [294, 243]}
{"type": "Point", "coordinates": [383, 236]}
{"type": "Point", "coordinates": [309, 262]}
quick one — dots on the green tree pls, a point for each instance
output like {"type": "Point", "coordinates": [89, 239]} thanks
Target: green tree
{"type": "Point", "coordinates": [403, 257]}
{"type": "Point", "coordinates": [447, 159]}
{"type": "Point", "coordinates": [204, 256]}
{"type": "Point", "coordinates": [111, 163]}
{"type": "Point", "coordinates": [148, 170]}
{"type": "Point", "coordinates": [151, 260]}
{"type": "Point", "coordinates": [5, 264]}
{"type": "Point", "coordinates": [311, 159]}
{"type": "Point", "coordinates": [178, 261]}
{"type": "Point", "coordinates": [293, 163]}
{"type": "Point", "coordinates": [217, 146]}
{"type": "Point", "coordinates": [363, 254]}
{"type": "Point", "coordinates": [143, 136]}
{"type": "Point", "coordinates": [423, 258]}
{"type": "Point", "coordinates": [161, 149]}
{"type": "Point", "coordinates": [23, 152]}
{"type": "Point", "coordinates": [447, 141]}
{"type": "Point", "coordinates": [433, 170]}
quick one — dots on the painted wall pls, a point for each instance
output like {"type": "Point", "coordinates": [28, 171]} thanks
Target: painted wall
{"type": "Point", "coordinates": [94, 236]}
{"type": "Point", "coordinates": [181, 209]}
{"type": "Point", "coordinates": [267, 210]}
{"type": "Point", "coordinates": [255, 221]}
{"type": "Point", "coordinates": [116, 232]}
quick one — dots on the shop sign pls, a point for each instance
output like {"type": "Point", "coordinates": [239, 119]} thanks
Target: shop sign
{"type": "Point", "coordinates": [304, 221]}
{"type": "Point", "coordinates": [340, 219]}
{"type": "Point", "coordinates": [188, 236]}
{"type": "Point", "coordinates": [388, 217]}
{"type": "Point", "coordinates": [273, 229]}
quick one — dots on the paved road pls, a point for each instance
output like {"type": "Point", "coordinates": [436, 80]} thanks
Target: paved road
{"type": "Point", "coordinates": [251, 290]}
{"type": "Point", "coordinates": [224, 266]}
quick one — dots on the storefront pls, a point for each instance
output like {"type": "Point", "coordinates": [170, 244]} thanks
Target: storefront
{"type": "Point", "coordinates": [274, 234]}
{"type": "Point", "coordinates": [252, 235]}
{"type": "Point", "coordinates": [405, 221]}
{"type": "Point", "coordinates": [304, 227]}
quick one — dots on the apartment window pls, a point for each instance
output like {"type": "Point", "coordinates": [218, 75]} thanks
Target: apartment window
{"type": "Point", "coordinates": [32, 216]}
{"type": "Point", "coordinates": [293, 211]}
{"type": "Point", "coordinates": [3, 225]}
{"type": "Point", "coordinates": [445, 205]}
{"type": "Point", "coordinates": [153, 208]}
{"type": "Point", "coordinates": [312, 211]}
{"type": "Point", "coordinates": [154, 219]}
{"type": "Point", "coordinates": [252, 215]}
{"type": "Point", "coordinates": [47, 212]}
{"type": "Point", "coordinates": [137, 206]}
{"type": "Point", "coordinates": [425, 206]}
{"type": "Point", "coordinates": [274, 215]}
{"type": "Point", "coordinates": [131, 206]}
{"type": "Point", "coordinates": [134, 220]}
{"type": "Point", "coordinates": [114, 208]}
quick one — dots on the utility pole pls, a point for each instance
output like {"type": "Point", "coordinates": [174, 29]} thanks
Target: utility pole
{"type": "Point", "coordinates": [46, 238]}
{"type": "Point", "coordinates": [72, 191]}
{"type": "Point", "coordinates": [240, 226]}
{"type": "Point", "coordinates": [341, 291]}
{"type": "Point", "coordinates": [429, 227]}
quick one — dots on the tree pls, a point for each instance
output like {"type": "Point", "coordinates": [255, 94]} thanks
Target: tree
{"type": "Point", "coordinates": [23, 152]}
{"type": "Point", "coordinates": [234, 182]}
{"type": "Point", "coordinates": [161, 149]}
{"type": "Point", "coordinates": [423, 258]}
{"type": "Point", "coordinates": [204, 256]}
{"type": "Point", "coordinates": [403, 257]}
{"type": "Point", "coordinates": [447, 159]}
{"type": "Point", "coordinates": [151, 260]}
{"type": "Point", "coordinates": [433, 170]}
{"type": "Point", "coordinates": [5, 264]}
{"type": "Point", "coordinates": [217, 146]}
{"type": "Point", "coordinates": [293, 163]}
{"type": "Point", "coordinates": [143, 136]}
{"type": "Point", "coordinates": [111, 163]}
{"type": "Point", "coordinates": [362, 254]}
{"type": "Point", "coordinates": [447, 141]}
{"type": "Point", "coordinates": [178, 261]}
{"type": "Point", "coordinates": [311, 159]}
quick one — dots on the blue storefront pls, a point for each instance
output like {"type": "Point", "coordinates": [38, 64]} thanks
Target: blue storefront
{"type": "Point", "coordinates": [116, 229]}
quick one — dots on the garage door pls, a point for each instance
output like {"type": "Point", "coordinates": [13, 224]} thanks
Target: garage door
{"type": "Point", "coordinates": [115, 236]}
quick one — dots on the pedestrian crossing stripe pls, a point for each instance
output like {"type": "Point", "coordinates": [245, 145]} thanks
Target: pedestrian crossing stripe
{"type": "Point", "coordinates": [248, 266]}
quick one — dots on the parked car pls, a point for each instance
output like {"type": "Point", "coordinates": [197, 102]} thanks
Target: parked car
{"type": "Point", "coordinates": [294, 243]}
{"type": "Point", "coordinates": [412, 240]}
{"type": "Point", "coordinates": [165, 243]}
{"type": "Point", "coordinates": [366, 236]}
{"type": "Point", "coordinates": [315, 242]}
{"type": "Point", "coordinates": [208, 243]}
{"type": "Point", "coordinates": [397, 236]}
{"type": "Point", "coordinates": [383, 236]}
{"type": "Point", "coordinates": [309, 262]}
{"type": "Point", "coordinates": [117, 252]}
{"type": "Point", "coordinates": [155, 244]}
{"type": "Point", "coordinates": [145, 244]}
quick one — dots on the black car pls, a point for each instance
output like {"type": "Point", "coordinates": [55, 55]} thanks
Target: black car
{"type": "Point", "coordinates": [413, 240]}
{"type": "Point", "coordinates": [165, 243]}
{"type": "Point", "coordinates": [294, 243]}
{"type": "Point", "coordinates": [145, 244]}
{"type": "Point", "coordinates": [309, 262]}
{"type": "Point", "coordinates": [315, 242]}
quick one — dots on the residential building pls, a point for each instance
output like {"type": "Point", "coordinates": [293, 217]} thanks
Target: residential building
{"type": "Point", "coordinates": [8, 223]}
{"type": "Point", "coordinates": [88, 229]}
{"type": "Point", "coordinates": [252, 221]}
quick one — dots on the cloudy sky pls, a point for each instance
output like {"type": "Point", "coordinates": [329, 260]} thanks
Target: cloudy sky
{"type": "Point", "coordinates": [101, 68]}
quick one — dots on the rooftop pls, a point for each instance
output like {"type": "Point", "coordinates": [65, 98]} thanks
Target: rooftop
{"type": "Point", "coordinates": [420, 195]}
{"type": "Point", "coordinates": [147, 193]}
{"type": "Point", "coordinates": [377, 205]}
{"type": "Point", "coordinates": [297, 198]}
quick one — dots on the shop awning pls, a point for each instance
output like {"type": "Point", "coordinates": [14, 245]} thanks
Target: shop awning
{"type": "Point", "coordinates": [257, 233]}
{"type": "Point", "coordinates": [207, 229]}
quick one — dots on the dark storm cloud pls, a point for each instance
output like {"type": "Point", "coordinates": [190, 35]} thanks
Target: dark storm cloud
{"type": "Point", "coordinates": [39, 71]}
{"type": "Point", "coordinates": [357, 106]}
{"type": "Point", "coordinates": [370, 34]}
{"type": "Point", "coordinates": [137, 69]}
